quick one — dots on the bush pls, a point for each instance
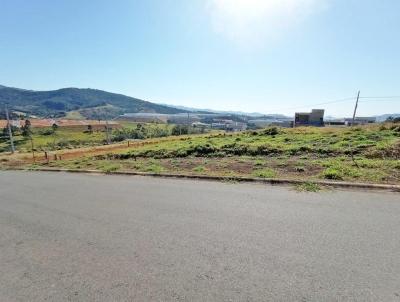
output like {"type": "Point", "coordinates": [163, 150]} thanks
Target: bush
{"type": "Point", "coordinates": [308, 187]}
{"type": "Point", "coordinates": [270, 131]}
{"type": "Point", "coordinates": [206, 149]}
{"type": "Point", "coordinates": [46, 132]}
{"type": "Point", "coordinates": [340, 171]}
{"type": "Point", "coordinates": [300, 169]}
{"type": "Point", "coordinates": [234, 149]}
{"type": "Point", "coordinates": [332, 173]}
{"type": "Point", "coordinates": [180, 130]}
{"type": "Point", "coordinates": [154, 168]}
{"type": "Point", "coordinates": [63, 143]}
{"type": "Point", "coordinates": [395, 128]}
{"type": "Point", "coordinates": [199, 169]}
{"type": "Point", "coordinates": [265, 173]}
{"type": "Point", "coordinates": [259, 162]}
{"type": "Point", "coordinates": [108, 168]}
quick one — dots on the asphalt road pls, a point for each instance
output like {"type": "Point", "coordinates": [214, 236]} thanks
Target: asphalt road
{"type": "Point", "coordinates": [70, 237]}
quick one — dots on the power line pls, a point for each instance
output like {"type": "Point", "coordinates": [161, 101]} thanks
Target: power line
{"type": "Point", "coordinates": [311, 105]}
{"type": "Point", "coordinates": [384, 100]}
{"type": "Point", "coordinates": [381, 97]}
{"type": "Point", "coordinates": [368, 99]}
{"type": "Point", "coordinates": [9, 129]}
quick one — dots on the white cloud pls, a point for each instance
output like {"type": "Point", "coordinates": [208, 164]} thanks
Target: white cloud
{"type": "Point", "coordinates": [250, 22]}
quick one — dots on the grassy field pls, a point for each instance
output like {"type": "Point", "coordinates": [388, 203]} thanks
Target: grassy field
{"type": "Point", "coordinates": [46, 139]}
{"type": "Point", "coordinates": [362, 154]}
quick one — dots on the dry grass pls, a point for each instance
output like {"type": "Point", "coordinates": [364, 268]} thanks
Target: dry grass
{"type": "Point", "coordinates": [300, 153]}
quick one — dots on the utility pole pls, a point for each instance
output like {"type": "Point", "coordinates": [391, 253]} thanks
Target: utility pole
{"type": "Point", "coordinates": [355, 108]}
{"type": "Point", "coordinates": [352, 124]}
{"type": "Point", "coordinates": [32, 147]}
{"type": "Point", "coordinates": [188, 122]}
{"type": "Point", "coordinates": [107, 133]}
{"type": "Point", "coordinates": [9, 130]}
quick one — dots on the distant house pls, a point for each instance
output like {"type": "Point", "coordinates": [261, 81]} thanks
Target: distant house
{"type": "Point", "coordinates": [219, 126]}
{"type": "Point", "coordinates": [200, 125]}
{"type": "Point", "coordinates": [360, 121]}
{"type": "Point", "coordinates": [144, 117]}
{"type": "Point", "coordinates": [229, 125]}
{"type": "Point", "coordinates": [236, 126]}
{"type": "Point", "coordinates": [335, 122]}
{"type": "Point", "coordinates": [313, 118]}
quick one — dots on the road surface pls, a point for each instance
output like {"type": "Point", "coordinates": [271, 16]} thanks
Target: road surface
{"type": "Point", "coordinates": [70, 237]}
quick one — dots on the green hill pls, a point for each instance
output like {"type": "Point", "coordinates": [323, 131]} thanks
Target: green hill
{"type": "Point", "coordinates": [90, 103]}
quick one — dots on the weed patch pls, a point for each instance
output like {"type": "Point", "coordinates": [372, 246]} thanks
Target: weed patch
{"type": "Point", "coordinates": [308, 187]}
{"type": "Point", "coordinates": [265, 173]}
{"type": "Point", "coordinates": [110, 167]}
{"type": "Point", "coordinates": [199, 169]}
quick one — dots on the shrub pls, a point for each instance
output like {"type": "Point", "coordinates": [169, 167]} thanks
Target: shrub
{"type": "Point", "coordinates": [332, 173]}
{"type": "Point", "coordinates": [308, 187]}
{"type": "Point", "coordinates": [259, 162]}
{"type": "Point", "coordinates": [270, 131]}
{"type": "Point", "coordinates": [395, 128]}
{"type": "Point", "coordinates": [199, 169]}
{"type": "Point", "coordinates": [235, 149]}
{"type": "Point", "coordinates": [300, 169]}
{"type": "Point", "coordinates": [154, 168]}
{"type": "Point", "coordinates": [340, 171]}
{"type": "Point", "coordinates": [46, 132]}
{"type": "Point", "coordinates": [202, 150]}
{"type": "Point", "coordinates": [180, 130]}
{"type": "Point", "coordinates": [108, 168]}
{"type": "Point", "coordinates": [63, 143]}
{"type": "Point", "coordinates": [265, 173]}
{"type": "Point", "coordinates": [265, 150]}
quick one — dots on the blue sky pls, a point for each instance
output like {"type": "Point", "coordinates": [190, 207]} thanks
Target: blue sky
{"type": "Point", "coordinates": [270, 56]}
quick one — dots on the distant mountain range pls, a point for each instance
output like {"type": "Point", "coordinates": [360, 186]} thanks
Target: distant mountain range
{"type": "Point", "coordinates": [84, 103]}
{"type": "Point", "coordinates": [255, 115]}
{"type": "Point", "coordinates": [248, 114]}
{"type": "Point", "coordinates": [384, 117]}
{"type": "Point", "coordinates": [99, 104]}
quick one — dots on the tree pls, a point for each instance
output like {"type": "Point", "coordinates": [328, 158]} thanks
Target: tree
{"type": "Point", "coordinates": [14, 130]}
{"type": "Point", "coordinates": [26, 129]}
{"type": "Point", "coordinates": [4, 135]}
{"type": "Point", "coordinates": [27, 133]}
{"type": "Point", "coordinates": [180, 130]}
{"type": "Point", "coordinates": [90, 129]}
{"type": "Point", "coordinates": [54, 128]}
